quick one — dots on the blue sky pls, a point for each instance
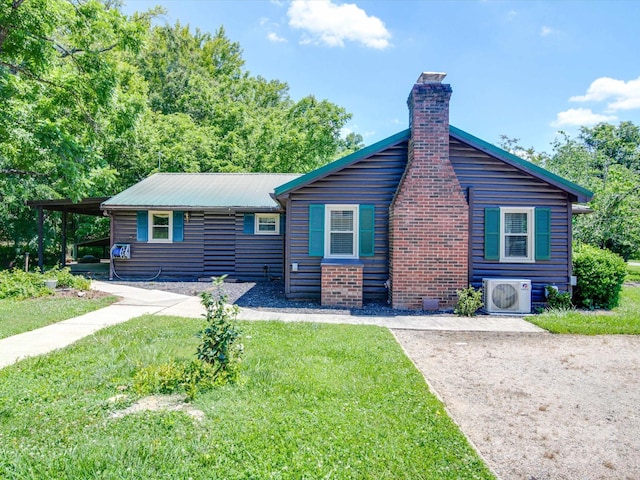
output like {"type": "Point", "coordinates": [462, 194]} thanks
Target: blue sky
{"type": "Point", "coordinates": [524, 69]}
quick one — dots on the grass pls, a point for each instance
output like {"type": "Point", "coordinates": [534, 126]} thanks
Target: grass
{"type": "Point", "coordinates": [315, 402]}
{"type": "Point", "coordinates": [633, 272]}
{"type": "Point", "coordinates": [18, 316]}
{"type": "Point", "coordinates": [624, 319]}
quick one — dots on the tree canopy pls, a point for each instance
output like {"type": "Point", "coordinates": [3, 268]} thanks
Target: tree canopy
{"type": "Point", "coordinates": [605, 159]}
{"type": "Point", "coordinates": [94, 101]}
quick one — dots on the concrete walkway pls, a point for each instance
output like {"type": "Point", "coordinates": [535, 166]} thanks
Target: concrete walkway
{"type": "Point", "coordinates": [136, 302]}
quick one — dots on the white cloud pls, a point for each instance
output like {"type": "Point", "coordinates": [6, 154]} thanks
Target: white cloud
{"type": "Point", "coordinates": [621, 95]}
{"type": "Point", "coordinates": [545, 31]}
{"type": "Point", "coordinates": [579, 117]}
{"type": "Point", "coordinates": [327, 23]}
{"type": "Point", "coordinates": [274, 37]}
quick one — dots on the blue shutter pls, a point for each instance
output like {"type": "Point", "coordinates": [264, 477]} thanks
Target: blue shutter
{"type": "Point", "coordinates": [142, 219]}
{"type": "Point", "coordinates": [249, 223]}
{"type": "Point", "coordinates": [367, 228]}
{"type": "Point", "coordinates": [316, 230]}
{"type": "Point", "coordinates": [178, 226]}
{"type": "Point", "coordinates": [543, 233]}
{"type": "Point", "coordinates": [282, 224]}
{"type": "Point", "coordinates": [492, 234]}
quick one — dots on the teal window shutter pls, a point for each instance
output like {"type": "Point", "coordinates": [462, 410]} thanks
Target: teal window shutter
{"type": "Point", "coordinates": [367, 228]}
{"type": "Point", "coordinates": [543, 233]}
{"type": "Point", "coordinates": [492, 234]}
{"type": "Point", "coordinates": [249, 223]}
{"type": "Point", "coordinates": [178, 226]}
{"type": "Point", "coordinates": [142, 219]}
{"type": "Point", "coordinates": [316, 230]}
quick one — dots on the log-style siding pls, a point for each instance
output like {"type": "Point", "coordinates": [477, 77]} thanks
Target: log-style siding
{"type": "Point", "coordinates": [214, 244]}
{"type": "Point", "coordinates": [496, 184]}
{"type": "Point", "coordinates": [219, 244]}
{"type": "Point", "coordinates": [370, 181]}
{"type": "Point", "coordinates": [258, 257]}
{"type": "Point", "coordinates": [179, 260]}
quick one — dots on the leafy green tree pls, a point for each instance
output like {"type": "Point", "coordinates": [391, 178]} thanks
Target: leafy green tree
{"type": "Point", "coordinates": [61, 86]}
{"type": "Point", "coordinates": [606, 159]}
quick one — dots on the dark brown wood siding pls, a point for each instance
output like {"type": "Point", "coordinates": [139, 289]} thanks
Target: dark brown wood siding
{"type": "Point", "coordinates": [496, 184]}
{"type": "Point", "coordinates": [258, 257]}
{"type": "Point", "coordinates": [370, 181]}
{"type": "Point", "coordinates": [214, 244]}
{"type": "Point", "coordinates": [178, 260]}
{"type": "Point", "coordinates": [219, 244]}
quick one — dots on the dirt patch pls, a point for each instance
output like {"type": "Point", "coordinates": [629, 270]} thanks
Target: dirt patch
{"type": "Point", "coordinates": [539, 406]}
{"type": "Point", "coordinates": [72, 292]}
{"type": "Point", "coordinates": [155, 403]}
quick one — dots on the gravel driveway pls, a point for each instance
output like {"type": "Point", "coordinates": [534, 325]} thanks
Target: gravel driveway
{"type": "Point", "coordinates": [539, 406]}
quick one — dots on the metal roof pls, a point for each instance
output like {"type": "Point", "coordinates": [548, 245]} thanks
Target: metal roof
{"type": "Point", "coordinates": [201, 190]}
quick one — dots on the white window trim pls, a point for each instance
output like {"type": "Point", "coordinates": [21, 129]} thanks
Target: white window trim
{"type": "Point", "coordinates": [327, 229]}
{"type": "Point", "coordinates": [258, 216]}
{"type": "Point", "coordinates": [160, 240]}
{"type": "Point", "coordinates": [530, 258]}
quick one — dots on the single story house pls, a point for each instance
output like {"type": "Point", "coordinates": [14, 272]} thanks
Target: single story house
{"type": "Point", "coordinates": [412, 219]}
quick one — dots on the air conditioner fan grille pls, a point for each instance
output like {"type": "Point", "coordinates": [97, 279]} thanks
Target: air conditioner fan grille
{"type": "Point", "coordinates": [504, 296]}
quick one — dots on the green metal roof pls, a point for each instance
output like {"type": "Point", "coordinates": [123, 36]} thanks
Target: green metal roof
{"type": "Point", "coordinates": [581, 194]}
{"type": "Point", "coordinates": [201, 190]}
{"type": "Point", "coordinates": [343, 162]}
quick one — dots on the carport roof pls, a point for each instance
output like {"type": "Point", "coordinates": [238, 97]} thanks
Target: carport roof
{"type": "Point", "coordinates": [201, 191]}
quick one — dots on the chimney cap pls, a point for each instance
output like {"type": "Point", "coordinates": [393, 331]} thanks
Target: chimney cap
{"type": "Point", "coordinates": [431, 77]}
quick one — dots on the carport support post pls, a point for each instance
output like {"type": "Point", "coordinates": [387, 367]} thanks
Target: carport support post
{"type": "Point", "coordinates": [63, 254]}
{"type": "Point", "coordinates": [40, 239]}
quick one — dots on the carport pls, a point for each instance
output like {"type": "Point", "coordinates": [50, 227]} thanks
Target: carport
{"type": "Point", "coordinates": [86, 206]}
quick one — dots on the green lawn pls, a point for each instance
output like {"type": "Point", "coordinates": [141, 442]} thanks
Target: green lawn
{"type": "Point", "coordinates": [624, 319]}
{"type": "Point", "coordinates": [633, 274]}
{"type": "Point", "coordinates": [314, 402]}
{"type": "Point", "coordinates": [18, 316]}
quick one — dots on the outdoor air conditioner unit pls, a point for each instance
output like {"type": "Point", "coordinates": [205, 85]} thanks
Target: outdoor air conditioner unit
{"type": "Point", "coordinates": [507, 295]}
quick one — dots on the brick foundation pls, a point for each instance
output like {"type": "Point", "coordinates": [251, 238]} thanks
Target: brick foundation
{"type": "Point", "coordinates": [428, 218]}
{"type": "Point", "coordinates": [342, 285]}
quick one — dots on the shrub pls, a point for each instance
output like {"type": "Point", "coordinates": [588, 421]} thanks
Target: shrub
{"type": "Point", "coordinates": [219, 339]}
{"type": "Point", "coordinates": [557, 300]}
{"type": "Point", "coordinates": [600, 275]}
{"type": "Point", "coordinates": [188, 377]}
{"type": "Point", "coordinates": [19, 284]}
{"type": "Point", "coordinates": [469, 301]}
{"type": "Point", "coordinates": [67, 280]}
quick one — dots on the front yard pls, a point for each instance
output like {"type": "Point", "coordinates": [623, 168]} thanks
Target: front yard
{"type": "Point", "coordinates": [624, 319]}
{"type": "Point", "coordinates": [315, 401]}
{"type": "Point", "coordinates": [18, 316]}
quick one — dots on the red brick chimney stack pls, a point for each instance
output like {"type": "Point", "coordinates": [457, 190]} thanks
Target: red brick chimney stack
{"type": "Point", "coordinates": [428, 218]}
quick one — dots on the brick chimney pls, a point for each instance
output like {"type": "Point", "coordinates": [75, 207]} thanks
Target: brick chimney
{"type": "Point", "coordinates": [428, 217]}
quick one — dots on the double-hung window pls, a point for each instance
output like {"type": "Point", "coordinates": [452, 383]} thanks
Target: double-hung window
{"type": "Point", "coordinates": [516, 234]}
{"type": "Point", "coordinates": [267, 224]}
{"type": "Point", "coordinates": [160, 227]}
{"type": "Point", "coordinates": [341, 230]}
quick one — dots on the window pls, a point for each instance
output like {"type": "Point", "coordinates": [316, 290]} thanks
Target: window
{"type": "Point", "coordinates": [341, 231]}
{"type": "Point", "coordinates": [516, 233]}
{"type": "Point", "coordinates": [161, 227]}
{"type": "Point", "coordinates": [267, 224]}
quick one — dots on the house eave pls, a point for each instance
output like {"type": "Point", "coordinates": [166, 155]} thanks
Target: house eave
{"type": "Point", "coordinates": [576, 192]}
{"type": "Point", "coordinates": [341, 163]}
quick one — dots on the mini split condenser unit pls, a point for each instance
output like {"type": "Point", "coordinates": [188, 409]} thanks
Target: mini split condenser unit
{"type": "Point", "coordinates": [507, 295]}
